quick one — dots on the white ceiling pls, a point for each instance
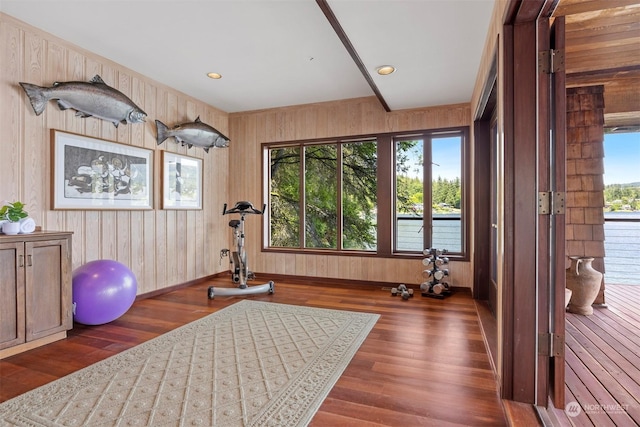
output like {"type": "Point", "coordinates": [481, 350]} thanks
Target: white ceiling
{"type": "Point", "coordinates": [274, 53]}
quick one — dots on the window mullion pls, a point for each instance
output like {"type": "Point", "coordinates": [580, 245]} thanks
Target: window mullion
{"type": "Point", "coordinates": [339, 210]}
{"type": "Point", "coordinates": [427, 180]}
{"type": "Point", "coordinates": [303, 197]}
{"type": "Point", "coordinates": [385, 195]}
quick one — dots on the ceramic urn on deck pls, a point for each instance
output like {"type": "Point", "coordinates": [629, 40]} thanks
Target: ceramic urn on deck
{"type": "Point", "coordinates": [584, 282]}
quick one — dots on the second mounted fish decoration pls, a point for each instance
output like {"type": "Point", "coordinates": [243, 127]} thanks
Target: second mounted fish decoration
{"type": "Point", "coordinates": [90, 99]}
{"type": "Point", "coordinates": [192, 133]}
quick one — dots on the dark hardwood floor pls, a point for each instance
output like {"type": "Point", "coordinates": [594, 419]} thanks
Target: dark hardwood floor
{"type": "Point", "coordinates": [424, 363]}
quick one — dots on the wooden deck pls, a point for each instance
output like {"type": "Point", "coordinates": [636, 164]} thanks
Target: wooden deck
{"type": "Point", "coordinates": [603, 363]}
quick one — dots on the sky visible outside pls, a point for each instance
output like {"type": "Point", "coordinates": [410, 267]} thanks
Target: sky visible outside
{"type": "Point", "coordinates": [445, 154]}
{"type": "Point", "coordinates": [621, 158]}
{"type": "Point", "coordinates": [621, 161]}
{"type": "Point", "coordinates": [446, 158]}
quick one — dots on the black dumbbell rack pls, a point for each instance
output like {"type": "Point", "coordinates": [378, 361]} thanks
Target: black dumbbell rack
{"type": "Point", "coordinates": [436, 285]}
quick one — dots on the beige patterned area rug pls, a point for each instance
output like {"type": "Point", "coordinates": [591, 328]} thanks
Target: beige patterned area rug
{"type": "Point", "coordinates": [250, 364]}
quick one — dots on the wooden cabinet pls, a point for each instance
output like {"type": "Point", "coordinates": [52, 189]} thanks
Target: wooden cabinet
{"type": "Point", "coordinates": [35, 290]}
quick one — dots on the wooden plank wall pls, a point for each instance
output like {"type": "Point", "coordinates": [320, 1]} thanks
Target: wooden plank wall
{"type": "Point", "coordinates": [165, 248]}
{"type": "Point", "coordinates": [322, 120]}
{"type": "Point", "coordinates": [162, 247]}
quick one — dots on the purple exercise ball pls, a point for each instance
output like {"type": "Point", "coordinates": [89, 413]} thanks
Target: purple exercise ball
{"type": "Point", "coordinates": [103, 290]}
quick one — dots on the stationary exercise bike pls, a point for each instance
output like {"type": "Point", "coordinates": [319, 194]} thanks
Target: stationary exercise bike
{"type": "Point", "coordinates": [240, 272]}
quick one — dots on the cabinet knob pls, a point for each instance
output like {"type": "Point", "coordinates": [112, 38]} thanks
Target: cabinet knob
{"type": "Point", "coordinates": [21, 261]}
{"type": "Point", "coordinates": [29, 261]}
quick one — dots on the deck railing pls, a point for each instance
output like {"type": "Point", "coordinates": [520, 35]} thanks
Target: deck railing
{"type": "Point", "coordinates": [622, 243]}
{"type": "Point", "coordinates": [447, 231]}
{"type": "Point", "coordinates": [622, 251]}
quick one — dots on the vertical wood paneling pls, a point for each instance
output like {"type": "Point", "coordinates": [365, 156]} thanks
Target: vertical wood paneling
{"type": "Point", "coordinates": [52, 117]}
{"type": "Point", "coordinates": [123, 237]}
{"type": "Point", "coordinates": [279, 263]}
{"type": "Point", "coordinates": [149, 280]}
{"type": "Point", "coordinates": [234, 172]}
{"type": "Point", "coordinates": [110, 77]}
{"type": "Point", "coordinates": [109, 235]}
{"type": "Point", "coordinates": [376, 269]}
{"type": "Point", "coordinates": [324, 120]}
{"type": "Point", "coordinates": [170, 235]}
{"type": "Point", "coordinates": [92, 239]}
{"type": "Point", "coordinates": [137, 96]}
{"type": "Point", "coordinates": [35, 138]}
{"type": "Point", "coordinates": [76, 72]}
{"type": "Point", "coordinates": [136, 243]}
{"type": "Point", "coordinates": [123, 84]}
{"type": "Point", "coordinates": [169, 223]}
{"type": "Point", "coordinates": [191, 218]}
{"type": "Point", "coordinates": [75, 222]}
{"type": "Point", "coordinates": [89, 236]}
{"type": "Point", "coordinates": [11, 50]}
{"type": "Point", "coordinates": [181, 246]}
{"type": "Point", "coordinates": [140, 239]}
{"type": "Point", "coordinates": [331, 266]}
{"type": "Point", "coordinates": [149, 107]}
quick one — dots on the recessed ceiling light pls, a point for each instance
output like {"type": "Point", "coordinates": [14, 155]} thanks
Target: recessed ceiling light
{"type": "Point", "coordinates": [385, 70]}
{"type": "Point", "coordinates": [214, 75]}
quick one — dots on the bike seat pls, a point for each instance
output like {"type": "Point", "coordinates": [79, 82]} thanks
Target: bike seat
{"type": "Point", "coordinates": [234, 223]}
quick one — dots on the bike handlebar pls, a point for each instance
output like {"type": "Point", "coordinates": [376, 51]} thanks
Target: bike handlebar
{"type": "Point", "coordinates": [243, 207]}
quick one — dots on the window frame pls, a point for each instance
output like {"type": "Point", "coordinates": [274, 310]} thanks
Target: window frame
{"type": "Point", "coordinates": [427, 138]}
{"type": "Point", "coordinates": [386, 176]}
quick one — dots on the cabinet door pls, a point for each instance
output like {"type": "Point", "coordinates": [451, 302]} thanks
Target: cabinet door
{"type": "Point", "coordinates": [47, 288]}
{"type": "Point", "coordinates": [12, 309]}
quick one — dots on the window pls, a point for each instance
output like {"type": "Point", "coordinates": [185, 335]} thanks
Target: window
{"type": "Point", "coordinates": [334, 185]}
{"type": "Point", "coordinates": [325, 195]}
{"type": "Point", "coordinates": [284, 196]}
{"type": "Point", "coordinates": [622, 205]}
{"type": "Point", "coordinates": [428, 196]}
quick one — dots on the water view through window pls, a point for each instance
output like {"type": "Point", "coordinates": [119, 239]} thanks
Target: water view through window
{"type": "Point", "coordinates": [622, 208]}
{"type": "Point", "coordinates": [325, 195]}
{"type": "Point", "coordinates": [442, 223]}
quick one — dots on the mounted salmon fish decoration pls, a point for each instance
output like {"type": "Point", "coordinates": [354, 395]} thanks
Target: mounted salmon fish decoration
{"type": "Point", "coordinates": [193, 133]}
{"type": "Point", "coordinates": [89, 99]}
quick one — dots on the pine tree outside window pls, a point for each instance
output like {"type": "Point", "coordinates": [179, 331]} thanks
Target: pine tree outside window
{"type": "Point", "coordinates": [324, 196]}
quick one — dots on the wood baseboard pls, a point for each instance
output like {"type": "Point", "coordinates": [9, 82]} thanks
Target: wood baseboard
{"type": "Point", "coordinates": [179, 286]}
{"type": "Point", "coordinates": [302, 280]}
{"type": "Point", "coordinates": [11, 351]}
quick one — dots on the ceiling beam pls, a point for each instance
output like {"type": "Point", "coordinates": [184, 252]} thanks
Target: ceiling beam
{"type": "Point", "coordinates": [328, 13]}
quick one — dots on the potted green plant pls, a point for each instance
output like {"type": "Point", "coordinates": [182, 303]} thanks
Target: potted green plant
{"type": "Point", "coordinates": [12, 213]}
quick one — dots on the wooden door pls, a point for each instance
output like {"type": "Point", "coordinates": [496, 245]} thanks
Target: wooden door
{"type": "Point", "coordinates": [494, 210]}
{"type": "Point", "coordinates": [47, 293]}
{"type": "Point", "coordinates": [558, 177]}
{"type": "Point", "coordinates": [551, 217]}
{"type": "Point", "coordinates": [11, 294]}
{"type": "Point", "coordinates": [532, 334]}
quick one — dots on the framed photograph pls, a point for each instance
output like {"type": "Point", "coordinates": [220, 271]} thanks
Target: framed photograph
{"type": "Point", "coordinates": [91, 173]}
{"type": "Point", "coordinates": [181, 181]}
